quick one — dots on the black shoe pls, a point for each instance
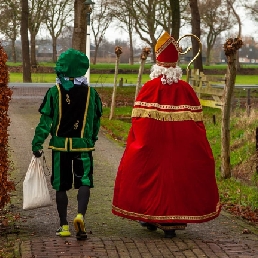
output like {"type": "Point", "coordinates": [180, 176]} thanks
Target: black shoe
{"type": "Point", "coordinates": [169, 233]}
{"type": "Point", "coordinates": [81, 235]}
{"type": "Point", "coordinates": [143, 224]}
{"type": "Point", "coordinates": [149, 226]}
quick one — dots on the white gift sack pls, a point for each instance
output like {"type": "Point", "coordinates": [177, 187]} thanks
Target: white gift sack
{"type": "Point", "coordinates": [35, 189]}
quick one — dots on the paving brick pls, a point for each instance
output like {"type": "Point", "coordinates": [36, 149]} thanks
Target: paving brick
{"type": "Point", "coordinates": [109, 236]}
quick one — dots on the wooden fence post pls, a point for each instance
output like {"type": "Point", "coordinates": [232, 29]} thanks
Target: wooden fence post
{"type": "Point", "coordinates": [118, 52]}
{"type": "Point", "coordinates": [145, 52]}
{"type": "Point", "coordinates": [121, 82]}
{"type": "Point", "coordinates": [214, 119]}
{"type": "Point", "coordinates": [256, 150]}
{"type": "Point", "coordinates": [248, 102]}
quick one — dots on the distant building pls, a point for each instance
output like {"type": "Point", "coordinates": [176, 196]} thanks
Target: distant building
{"type": "Point", "coordinates": [188, 57]}
{"type": "Point", "coordinates": [137, 59]}
{"type": "Point", "coordinates": [248, 54]}
{"type": "Point", "coordinates": [44, 51]}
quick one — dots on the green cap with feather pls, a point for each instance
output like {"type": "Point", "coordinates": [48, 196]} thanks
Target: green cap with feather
{"type": "Point", "coordinates": [71, 63]}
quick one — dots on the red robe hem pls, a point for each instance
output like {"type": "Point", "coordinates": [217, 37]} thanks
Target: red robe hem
{"type": "Point", "coordinates": [167, 219]}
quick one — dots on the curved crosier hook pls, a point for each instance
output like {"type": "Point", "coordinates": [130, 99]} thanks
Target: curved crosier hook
{"type": "Point", "coordinates": [188, 49]}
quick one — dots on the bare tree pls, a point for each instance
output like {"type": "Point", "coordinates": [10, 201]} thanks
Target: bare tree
{"type": "Point", "coordinates": [216, 18]}
{"type": "Point", "coordinates": [121, 12]}
{"type": "Point", "coordinates": [58, 17]}
{"type": "Point", "coordinates": [65, 38]}
{"type": "Point", "coordinates": [25, 42]}
{"type": "Point", "coordinates": [10, 12]}
{"type": "Point", "coordinates": [100, 21]}
{"type": "Point", "coordinates": [37, 15]}
{"type": "Point", "coordinates": [196, 30]}
{"type": "Point", "coordinates": [149, 19]}
{"type": "Point", "coordinates": [231, 5]}
{"type": "Point", "coordinates": [252, 8]}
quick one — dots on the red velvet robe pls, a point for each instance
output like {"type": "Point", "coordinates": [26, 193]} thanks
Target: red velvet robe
{"type": "Point", "coordinates": [167, 172]}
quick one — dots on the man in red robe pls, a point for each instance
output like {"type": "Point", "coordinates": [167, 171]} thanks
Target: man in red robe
{"type": "Point", "coordinates": [166, 177]}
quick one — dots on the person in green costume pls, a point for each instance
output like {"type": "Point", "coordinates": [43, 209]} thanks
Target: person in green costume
{"type": "Point", "coordinates": [70, 113]}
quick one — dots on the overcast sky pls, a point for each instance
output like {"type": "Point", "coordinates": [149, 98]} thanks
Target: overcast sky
{"type": "Point", "coordinates": [249, 29]}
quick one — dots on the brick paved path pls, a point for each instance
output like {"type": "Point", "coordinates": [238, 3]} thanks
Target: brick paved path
{"type": "Point", "coordinates": [108, 235]}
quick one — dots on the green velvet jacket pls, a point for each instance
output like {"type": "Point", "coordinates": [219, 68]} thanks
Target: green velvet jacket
{"type": "Point", "coordinates": [71, 117]}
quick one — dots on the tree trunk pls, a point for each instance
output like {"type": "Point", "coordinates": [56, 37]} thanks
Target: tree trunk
{"type": "Point", "coordinates": [131, 57]}
{"type": "Point", "coordinates": [113, 102]}
{"type": "Point", "coordinates": [196, 30]}
{"type": "Point", "coordinates": [230, 47]}
{"type": "Point", "coordinates": [25, 42]}
{"type": "Point", "coordinates": [225, 126]}
{"type": "Point", "coordinates": [95, 54]}
{"type": "Point", "coordinates": [33, 59]}
{"type": "Point", "coordinates": [80, 26]}
{"type": "Point", "coordinates": [118, 51]}
{"type": "Point", "coordinates": [54, 55]}
{"type": "Point", "coordinates": [175, 10]}
{"type": "Point", "coordinates": [208, 55]}
{"type": "Point", "coordinates": [153, 54]}
{"type": "Point", "coordinates": [139, 80]}
{"type": "Point", "coordinates": [239, 29]}
{"type": "Point", "coordinates": [238, 66]}
{"type": "Point", "coordinates": [211, 39]}
{"type": "Point", "coordinates": [13, 51]}
{"type": "Point", "coordinates": [145, 52]}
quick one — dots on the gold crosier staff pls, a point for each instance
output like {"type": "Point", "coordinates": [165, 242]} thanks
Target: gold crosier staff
{"type": "Point", "coordinates": [187, 50]}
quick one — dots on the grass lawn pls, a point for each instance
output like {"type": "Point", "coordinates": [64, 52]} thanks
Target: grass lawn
{"type": "Point", "coordinates": [36, 77]}
{"type": "Point", "coordinates": [104, 75]}
{"type": "Point", "coordinates": [136, 66]}
{"type": "Point", "coordinates": [109, 78]}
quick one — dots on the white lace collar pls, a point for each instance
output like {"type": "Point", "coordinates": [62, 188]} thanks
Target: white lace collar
{"type": "Point", "coordinates": [170, 75]}
{"type": "Point", "coordinates": [77, 80]}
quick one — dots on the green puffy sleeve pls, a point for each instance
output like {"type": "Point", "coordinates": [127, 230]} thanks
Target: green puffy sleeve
{"type": "Point", "coordinates": [44, 126]}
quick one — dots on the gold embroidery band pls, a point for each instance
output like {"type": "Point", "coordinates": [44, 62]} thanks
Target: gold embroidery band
{"type": "Point", "coordinates": [167, 116]}
{"type": "Point", "coordinates": [166, 64]}
{"type": "Point", "coordinates": [60, 108]}
{"type": "Point", "coordinates": [159, 106]}
{"type": "Point", "coordinates": [172, 217]}
{"type": "Point", "coordinates": [86, 112]}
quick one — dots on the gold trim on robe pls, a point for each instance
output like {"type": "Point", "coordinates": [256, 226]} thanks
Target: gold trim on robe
{"type": "Point", "coordinates": [167, 115]}
{"type": "Point", "coordinates": [170, 217]}
{"type": "Point", "coordinates": [169, 107]}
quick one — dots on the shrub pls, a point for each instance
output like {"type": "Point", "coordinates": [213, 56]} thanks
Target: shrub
{"type": "Point", "coordinates": [6, 186]}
